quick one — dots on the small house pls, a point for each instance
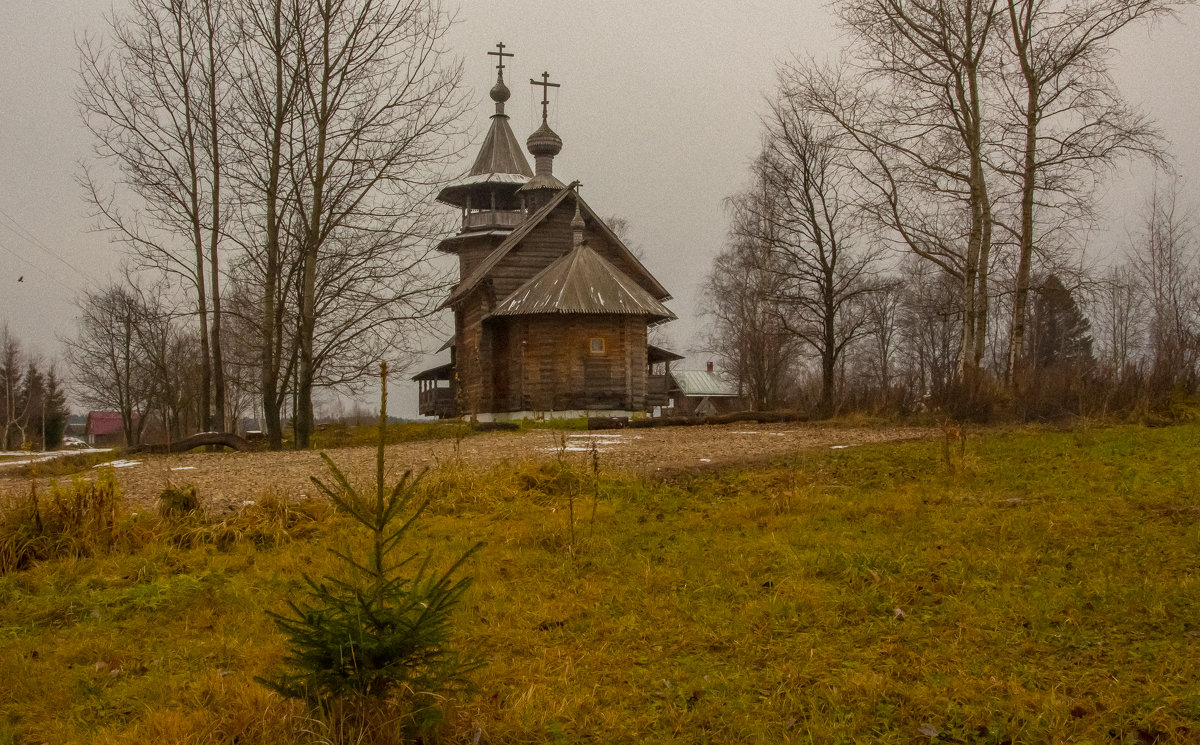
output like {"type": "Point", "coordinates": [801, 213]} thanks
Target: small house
{"type": "Point", "coordinates": [104, 429]}
{"type": "Point", "coordinates": [702, 393]}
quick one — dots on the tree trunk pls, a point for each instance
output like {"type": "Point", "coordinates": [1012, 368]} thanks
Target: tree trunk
{"type": "Point", "coordinates": [1021, 31]}
{"type": "Point", "coordinates": [218, 364]}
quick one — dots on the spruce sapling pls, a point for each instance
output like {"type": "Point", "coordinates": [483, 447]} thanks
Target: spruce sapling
{"type": "Point", "coordinates": [382, 628]}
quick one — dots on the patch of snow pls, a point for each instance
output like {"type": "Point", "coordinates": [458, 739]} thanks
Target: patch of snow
{"type": "Point", "coordinates": [120, 464]}
{"type": "Point", "coordinates": [843, 447]}
{"type": "Point", "coordinates": [184, 468]}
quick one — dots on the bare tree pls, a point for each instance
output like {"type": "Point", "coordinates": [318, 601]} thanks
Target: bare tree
{"type": "Point", "coordinates": [379, 109]}
{"type": "Point", "coordinates": [14, 405]}
{"type": "Point", "coordinates": [930, 319]}
{"type": "Point", "coordinates": [154, 99]}
{"type": "Point", "coordinates": [1167, 262]}
{"type": "Point", "coordinates": [268, 95]}
{"type": "Point", "coordinates": [826, 260]}
{"type": "Point", "coordinates": [1066, 121]}
{"type": "Point", "coordinates": [883, 308]}
{"type": "Point", "coordinates": [741, 299]}
{"type": "Point", "coordinates": [914, 109]}
{"type": "Point", "coordinates": [111, 367]}
{"type": "Point", "coordinates": [1119, 318]}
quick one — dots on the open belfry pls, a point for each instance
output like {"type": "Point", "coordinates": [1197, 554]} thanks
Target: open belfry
{"type": "Point", "coordinates": [551, 310]}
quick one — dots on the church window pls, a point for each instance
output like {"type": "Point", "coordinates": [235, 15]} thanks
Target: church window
{"type": "Point", "coordinates": [597, 345]}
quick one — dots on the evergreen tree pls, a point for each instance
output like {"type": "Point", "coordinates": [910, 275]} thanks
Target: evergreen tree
{"type": "Point", "coordinates": [55, 423]}
{"type": "Point", "coordinates": [381, 628]}
{"type": "Point", "coordinates": [1061, 333]}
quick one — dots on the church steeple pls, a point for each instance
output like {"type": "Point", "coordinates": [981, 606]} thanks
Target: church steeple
{"type": "Point", "coordinates": [499, 169]}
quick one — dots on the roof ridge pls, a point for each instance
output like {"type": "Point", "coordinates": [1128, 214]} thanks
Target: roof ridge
{"type": "Point", "coordinates": [518, 234]}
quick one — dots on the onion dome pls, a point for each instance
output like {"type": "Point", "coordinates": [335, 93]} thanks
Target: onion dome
{"type": "Point", "coordinates": [500, 93]}
{"type": "Point", "coordinates": [544, 142]}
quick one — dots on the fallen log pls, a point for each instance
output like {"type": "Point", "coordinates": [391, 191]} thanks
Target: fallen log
{"type": "Point", "coordinates": [203, 439]}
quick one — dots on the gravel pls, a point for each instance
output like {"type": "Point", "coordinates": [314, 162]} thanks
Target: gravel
{"type": "Point", "coordinates": [229, 479]}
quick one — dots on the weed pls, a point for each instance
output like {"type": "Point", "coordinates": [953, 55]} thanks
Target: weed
{"type": "Point", "coordinates": [178, 501]}
{"type": "Point", "coordinates": [80, 520]}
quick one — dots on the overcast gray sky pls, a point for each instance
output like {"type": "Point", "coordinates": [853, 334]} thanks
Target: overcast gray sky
{"type": "Point", "coordinates": [658, 112]}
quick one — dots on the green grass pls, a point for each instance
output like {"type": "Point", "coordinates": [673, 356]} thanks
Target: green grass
{"type": "Point", "coordinates": [1040, 588]}
{"type": "Point", "coordinates": [339, 435]}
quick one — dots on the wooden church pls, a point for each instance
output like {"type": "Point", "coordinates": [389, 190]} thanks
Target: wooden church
{"type": "Point", "coordinates": [551, 310]}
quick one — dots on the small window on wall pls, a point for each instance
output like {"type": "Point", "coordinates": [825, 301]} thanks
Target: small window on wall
{"type": "Point", "coordinates": [597, 345]}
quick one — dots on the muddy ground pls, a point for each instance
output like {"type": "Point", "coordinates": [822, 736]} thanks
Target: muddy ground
{"type": "Point", "coordinates": [226, 480]}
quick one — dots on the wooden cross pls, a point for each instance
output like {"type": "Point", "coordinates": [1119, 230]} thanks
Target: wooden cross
{"type": "Point", "coordinates": [546, 86]}
{"type": "Point", "coordinates": [501, 54]}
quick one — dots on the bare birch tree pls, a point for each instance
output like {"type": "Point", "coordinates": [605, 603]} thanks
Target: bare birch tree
{"type": "Point", "coordinates": [1065, 123]}
{"type": "Point", "coordinates": [914, 106]}
{"type": "Point", "coordinates": [379, 110]}
{"type": "Point", "coordinates": [153, 96]}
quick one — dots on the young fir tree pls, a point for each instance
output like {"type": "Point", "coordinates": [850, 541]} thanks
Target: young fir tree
{"type": "Point", "coordinates": [381, 629]}
{"type": "Point", "coordinates": [1061, 332]}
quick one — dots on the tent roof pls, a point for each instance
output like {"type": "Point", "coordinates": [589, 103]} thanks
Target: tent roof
{"type": "Point", "coordinates": [582, 282]}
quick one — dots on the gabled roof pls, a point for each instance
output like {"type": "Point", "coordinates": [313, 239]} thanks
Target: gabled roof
{"type": "Point", "coordinates": [517, 235]}
{"type": "Point", "coordinates": [582, 282]}
{"type": "Point", "coordinates": [702, 383]}
{"type": "Point", "coordinates": [658, 354]}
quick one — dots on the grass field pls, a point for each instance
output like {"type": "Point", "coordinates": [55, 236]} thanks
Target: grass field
{"type": "Point", "coordinates": [1038, 587]}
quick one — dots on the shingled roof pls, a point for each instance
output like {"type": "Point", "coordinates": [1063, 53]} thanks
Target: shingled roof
{"type": "Point", "coordinates": [582, 282]}
{"type": "Point", "coordinates": [500, 162]}
{"type": "Point", "coordinates": [486, 266]}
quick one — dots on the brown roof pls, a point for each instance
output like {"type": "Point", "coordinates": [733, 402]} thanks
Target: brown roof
{"type": "Point", "coordinates": [441, 372]}
{"type": "Point", "coordinates": [582, 282]}
{"type": "Point", "coordinates": [500, 152]}
{"type": "Point", "coordinates": [500, 161]}
{"type": "Point", "coordinates": [485, 267]}
{"type": "Point", "coordinates": [658, 354]}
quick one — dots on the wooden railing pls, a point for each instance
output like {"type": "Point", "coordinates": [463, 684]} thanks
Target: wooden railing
{"type": "Point", "coordinates": [437, 402]}
{"type": "Point", "coordinates": [493, 219]}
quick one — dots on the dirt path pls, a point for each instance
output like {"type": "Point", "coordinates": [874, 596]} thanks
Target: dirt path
{"type": "Point", "coordinates": [228, 479]}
